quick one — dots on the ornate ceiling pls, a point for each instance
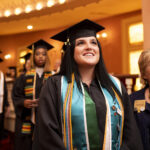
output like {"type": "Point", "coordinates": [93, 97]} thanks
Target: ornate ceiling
{"type": "Point", "coordinates": [61, 14]}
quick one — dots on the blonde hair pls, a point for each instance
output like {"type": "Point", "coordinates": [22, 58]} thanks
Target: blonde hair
{"type": "Point", "coordinates": [143, 62]}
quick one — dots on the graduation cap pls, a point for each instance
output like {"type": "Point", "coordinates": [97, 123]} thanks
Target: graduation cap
{"type": "Point", "coordinates": [40, 44]}
{"type": "Point", "coordinates": [12, 67]}
{"type": "Point", "coordinates": [26, 57]}
{"type": "Point", "coordinates": [1, 60]}
{"type": "Point", "coordinates": [84, 28]}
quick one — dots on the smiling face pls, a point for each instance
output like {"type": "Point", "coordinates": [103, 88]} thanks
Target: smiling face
{"type": "Point", "coordinates": [86, 52]}
{"type": "Point", "coordinates": [40, 57]}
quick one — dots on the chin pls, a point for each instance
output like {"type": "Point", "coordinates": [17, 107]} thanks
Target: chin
{"type": "Point", "coordinates": [88, 65]}
{"type": "Point", "coordinates": [91, 63]}
{"type": "Point", "coordinates": [40, 65]}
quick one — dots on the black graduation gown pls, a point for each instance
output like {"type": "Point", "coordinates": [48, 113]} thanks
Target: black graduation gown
{"type": "Point", "coordinates": [48, 131]}
{"type": "Point", "coordinates": [5, 104]}
{"type": "Point", "coordinates": [142, 118]}
{"type": "Point", "coordinates": [23, 141]}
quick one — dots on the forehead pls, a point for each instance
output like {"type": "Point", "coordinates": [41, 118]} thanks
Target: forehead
{"type": "Point", "coordinates": [41, 49]}
{"type": "Point", "coordinates": [86, 38]}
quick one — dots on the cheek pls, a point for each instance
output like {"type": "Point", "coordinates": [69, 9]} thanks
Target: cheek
{"type": "Point", "coordinates": [44, 57]}
{"type": "Point", "coordinates": [76, 54]}
{"type": "Point", "coordinates": [36, 58]}
{"type": "Point", "coordinates": [98, 54]}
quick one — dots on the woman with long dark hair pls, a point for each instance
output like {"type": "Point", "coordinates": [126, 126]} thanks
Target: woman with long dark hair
{"type": "Point", "coordinates": [83, 107]}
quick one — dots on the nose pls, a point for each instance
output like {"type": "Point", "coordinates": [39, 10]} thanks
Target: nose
{"type": "Point", "coordinates": [88, 46]}
{"type": "Point", "coordinates": [40, 55]}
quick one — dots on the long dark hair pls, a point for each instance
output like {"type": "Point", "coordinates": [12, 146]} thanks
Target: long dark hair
{"type": "Point", "coordinates": [69, 66]}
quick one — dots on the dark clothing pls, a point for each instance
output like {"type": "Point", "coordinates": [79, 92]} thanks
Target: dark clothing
{"type": "Point", "coordinates": [18, 96]}
{"type": "Point", "coordinates": [5, 104]}
{"type": "Point", "coordinates": [142, 118]}
{"type": "Point", "coordinates": [48, 131]}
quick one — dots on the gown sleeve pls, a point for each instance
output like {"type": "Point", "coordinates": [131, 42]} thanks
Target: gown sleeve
{"type": "Point", "coordinates": [18, 95]}
{"type": "Point", "coordinates": [131, 137]}
{"type": "Point", "coordinates": [48, 130]}
{"type": "Point", "coordinates": [6, 103]}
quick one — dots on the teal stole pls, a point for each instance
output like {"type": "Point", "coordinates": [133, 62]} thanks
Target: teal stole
{"type": "Point", "coordinates": [80, 126]}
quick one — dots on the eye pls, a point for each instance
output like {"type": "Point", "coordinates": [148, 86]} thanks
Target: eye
{"type": "Point", "coordinates": [37, 53]}
{"type": "Point", "coordinates": [94, 42]}
{"type": "Point", "coordinates": [44, 54]}
{"type": "Point", "coordinates": [79, 42]}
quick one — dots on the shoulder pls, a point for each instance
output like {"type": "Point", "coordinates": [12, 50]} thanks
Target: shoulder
{"type": "Point", "coordinates": [48, 72]}
{"type": "Point", "coordinates": [117, 82]}
{"type": "Point", "coordinates": [54, 79]}
{"type": "Point", "coordinates": [52, 88]}
{"type": "Point", "coordinates": [115, 79]}
{"type": "Point", "coordinates": [20, 78]}
{"type": "Point", "coordinates": [31, 72]}
{"type": "Point", "coordinates": [138, 94]}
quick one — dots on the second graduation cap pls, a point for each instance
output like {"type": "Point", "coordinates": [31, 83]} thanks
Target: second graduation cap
{"type": "Point", "coordinates": [27, 56]}
{"type": "Point", "coordinates": [40, 44]}
{"type": "Point", "coordinates": [12, 67]}
{"type": "Point", "coordinates": [1, 60]}
{"type": "Point", "coordinates": [84, 28]}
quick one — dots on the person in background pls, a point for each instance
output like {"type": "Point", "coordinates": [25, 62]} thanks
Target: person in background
{"type": "Point", "coordinates": [4, 105]}
{"type": "Point", "coordinates": [141, 99]}
{"type": "Point", "coordinates": [27, 64]}
{"type": "Point", "coordinates": [11, 73]}
{"type": "Point", "coordinates": [83, 107]}
{"type": "Point", "coordinates": [25, 94]}
{"type": "Point", "coordinates": [57, 66]}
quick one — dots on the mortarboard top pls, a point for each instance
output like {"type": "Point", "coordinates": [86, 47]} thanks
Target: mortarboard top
{"type": "Point", "coordinates": [84, 28]}
{"type": "Point", "coordinates": [12, 67]}
{"type": "Point", "coordinates": [40, 44]}
{"type": "Point", "coordinates": [1, 60]}
{"type": "Point", "coordinates": [27, 56]}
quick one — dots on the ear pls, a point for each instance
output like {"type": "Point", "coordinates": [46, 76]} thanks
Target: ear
{"type": "Point", "coordinates": [145, 77]}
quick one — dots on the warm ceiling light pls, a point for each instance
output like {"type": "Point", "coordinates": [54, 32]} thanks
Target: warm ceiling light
{"type": "Point", "coordinates": [50, 3]}
{"type": "Point", "coordinates": [7, 13]}
{"type": "Point", "coordinates": [39, 6]}
{"type": "Point", "coordinates": [104, 35]}
{"type": "Point", "coordinates": [28, 8]}
{"type": "Point", "coordinates": [22, 61]}
{"type": "Point", "coordinates": [62, 1]}
{"type": "Point", "coordinates": [23, 53]}
{"type": "Point", "coordinates": [8, 56]}
{"type": "Point", "coordinates": [29, 27]}
{"type": "Point", "coordinates": [18, 11]}
{"type": "Point", "coordinates": [97, 35]}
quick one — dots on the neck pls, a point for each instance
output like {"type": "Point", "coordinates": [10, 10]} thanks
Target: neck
{"type": "Point", "coordinates": [87, 74]}
{"type": "Point", "coordinates": [39, 71]}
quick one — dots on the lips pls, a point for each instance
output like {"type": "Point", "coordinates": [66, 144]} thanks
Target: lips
{"type": "Point", "coordinates": [88, 54]}
{"type": "Point", "coordinates": [41, 61]}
